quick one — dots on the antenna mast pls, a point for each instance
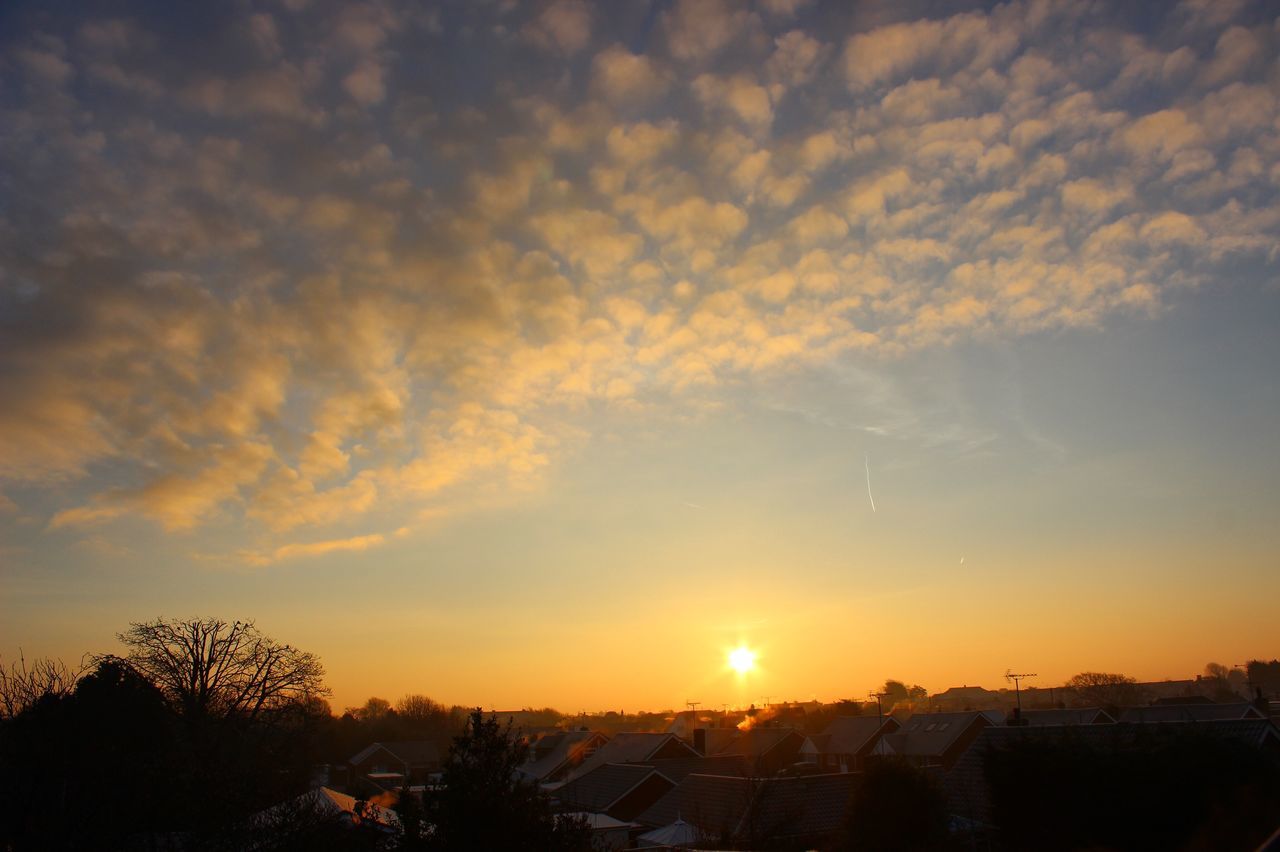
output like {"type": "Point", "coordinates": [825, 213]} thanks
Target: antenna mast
{"type": "Point", "coordinates": [1017, 686]}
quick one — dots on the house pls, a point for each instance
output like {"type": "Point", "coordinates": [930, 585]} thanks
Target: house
{"type": "Point", "coordinates": [635, 748]}
{"type": "Point", "coordinates": [714, 740]}
{"type": "Point", "coordinates": [678, 768]}
{"type": "Point", "coordinates": [770, 750]}
{"type": "Point", "coordinates": [323, 805]}
{"type": "Point", "coordinates": [1191, 712]}
{"type": "Point", "coordinates": [1068, 716]}
{"type": "Point", "coordinates": [933, 739]}
{"type": "Point", "coordinates": [714, 804]}
{"type": "Point", "coordinates": [553, 756]}
{"type": "Point", "coordinates": [966, 698]}
{"type": "Point", "coordinates": [621, 790]}
{"type": "Point", "coordinates": [1157, 689]}
{"type": "Point", "coordinates": [677, 835]}
{"type": "Point", "coordinates": [684, 723]}
{"type": "Point", "coordinates": [392, 765]}
{"type": "Point", "coordinates": [845, 743]}
{"type": "Point", "coordinates": [807, 811]}
{"type": "Point", "coordinates": [607, 834]}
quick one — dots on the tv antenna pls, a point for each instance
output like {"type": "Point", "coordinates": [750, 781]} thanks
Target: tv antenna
{"type": "Point", "coordinates": [879, 709]}
{"type": "Point", "coordinates": [692, 705]}
{"type": "Point", "coordinates": [1017, 685]}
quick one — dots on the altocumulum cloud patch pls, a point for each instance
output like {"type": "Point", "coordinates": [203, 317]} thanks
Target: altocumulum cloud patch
{"type": "Point", "coordinates": [319, 260]}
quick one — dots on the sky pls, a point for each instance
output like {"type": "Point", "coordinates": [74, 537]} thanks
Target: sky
{"type": "Point", "coordinates": [526, 354]}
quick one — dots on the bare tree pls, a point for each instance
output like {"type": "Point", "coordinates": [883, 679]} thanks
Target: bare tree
{"type": "Point", "coordinates": [22, 685]}
{"type": "Point", "coordinates": [210, 668]}
{"type": "Point", "coordinates": [1105, 689]}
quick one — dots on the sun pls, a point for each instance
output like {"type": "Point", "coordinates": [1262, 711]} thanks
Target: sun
{"type": "Point", "coordinates": [742, 659]}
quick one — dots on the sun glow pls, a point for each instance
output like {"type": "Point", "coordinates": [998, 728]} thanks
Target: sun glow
{"type": "Point", "coordinates": [742, 659]}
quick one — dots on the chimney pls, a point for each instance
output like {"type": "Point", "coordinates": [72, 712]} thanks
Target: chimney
{"type": "Point", "coordinates": [1015, 719]}
{"type": "Point", "coordinates": [700, 740]}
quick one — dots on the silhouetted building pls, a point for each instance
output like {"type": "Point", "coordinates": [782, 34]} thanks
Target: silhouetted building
{"type": "Point", "coordinates": [553, 756]}
{"type": "Point", "coordinates": [770, 750]}
{"type": "Point", "coordinates": [621, 790]}
{"type": "Point", "coordinates": [846, 742]}
{"type": "Point", "coordinates": [392, 765]}
{"type": "Point", "coordinates": [1068, 716]}
{"type": "Point", "coordinates": [629, 747]}
{"type": "Point", "coordinates": [800, 812]}
{"type": "Point", "coordinates": [1191, 712]}
{"type": "Point", "coordinates": [933, 739]}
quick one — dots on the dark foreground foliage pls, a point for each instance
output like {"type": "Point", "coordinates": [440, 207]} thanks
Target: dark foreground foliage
{"type": "Point", "coordinates": [483, 804]}
{"type": "Point", "coordinates": [1157, 787]}
{"type": "Point", "coordinates": [898, 807]}
{"type": "Point", "coordinates": [111, 766]}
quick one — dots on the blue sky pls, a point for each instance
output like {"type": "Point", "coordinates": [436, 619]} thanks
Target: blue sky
{"type": "Point", "coordinates": [481, 326]}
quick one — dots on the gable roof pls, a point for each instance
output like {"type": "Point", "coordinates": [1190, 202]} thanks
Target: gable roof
{"type": "Point", "coordinates": [327, 803]}
{"type": "Point", "coordinates": [410, 752]}
{"type": "Point", "coordinates": [679, 833]}
{"type": "Point", "coordinates": [713, 803]}
{"type": "Point", "coordinates": [679, 768]}
{"type": "Point", "coordinates": [805, 806]}
{"type": "Point", "coordinates": [931, 734]}
{"type": "Point", "coordinates": [634, 747]}
{"type": "Point", "coordinates": [849, 734]}
{"type": "Point", "coordinates": [757, 742]}
{"type": "Point", "coordinates": [745, 807]}
{"type": "Point", "coordinates": [966, 693]}
{"type": "Point", "coordinates": [602, 787]}
{"type": "Point", "coordinates": [558, 750]}
{"type": "Point", "coordinates": [1190, 712]}
{"type": "Point", "coordinates": [1068, 716]}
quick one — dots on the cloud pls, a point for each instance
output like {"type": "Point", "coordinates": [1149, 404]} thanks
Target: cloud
{"type": "Point", "coordinates": [365, 83]}
{"type": "Point", "coordinates": [563, 26]}
{"type": "Point", "coordinates": [314, 548]}
{"type": "Point", "coordinates": [625, 78]}
{"type": "Point", "coordinates": [738, 95]}
{"type": "Point", "coordinates": [698, 29]}
{"type": "Point", "coordinates": [795, 59]}
{"type": "Point", "coordinates": [308, 274]}
{"type": "Point", "coordinates": [175, 500]}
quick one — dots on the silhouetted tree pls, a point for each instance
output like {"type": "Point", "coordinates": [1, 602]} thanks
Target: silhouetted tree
{"type": "Point", "coordinates": [483, 803]}
{"type": "Point", "coordinates": [1104, 689]}
{"type": "Point", "coordinates": [421, 711]}
{"type": "Point", "coordinates": [22, 684]}
{"type": "Point", "coordinates": [896, 808]}
{"type": "Point", "coordinates": [896, 692]}
{"type": "Point", "coordinates": [373, 710]}
{"type": "Point", "coordinates": [1265, 676]}
{"type": "Point", "coordinates": [203, 724]}
{"type": "Point", "coordinates": [1225, 683]}
{"type": "Point", "coordinates": [74, 767]}
{"type": "Point", "coordinates": [210, 668]}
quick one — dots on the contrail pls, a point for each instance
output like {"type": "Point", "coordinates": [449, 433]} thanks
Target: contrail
{"type": "Point", "coordinates": [866, 462]}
